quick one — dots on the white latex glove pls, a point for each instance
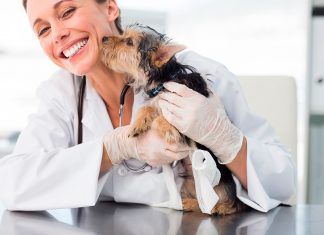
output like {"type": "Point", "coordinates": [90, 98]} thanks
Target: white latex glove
{"type": "Point", "coordinates": [202, 119]}
{"type": "Point", "coordinates": [147, 147]}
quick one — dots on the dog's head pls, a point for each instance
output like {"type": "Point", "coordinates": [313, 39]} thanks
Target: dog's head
{"type": "Point", "coordinates": [137, 52]}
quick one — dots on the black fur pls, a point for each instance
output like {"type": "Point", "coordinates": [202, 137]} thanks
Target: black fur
{"type": "Point", "coordinates": [150, 41]}
{"type": "Point", "coordinates": [176, 72]}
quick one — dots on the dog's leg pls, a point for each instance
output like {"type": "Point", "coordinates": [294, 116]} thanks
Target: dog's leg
{"type": "Point", "coordinates": [167, 131]}
{"type": "Point", "coordinates": [228, 203]}
{"type": "Point", "coordinates": [188, 189]}
{"type": "Point", "coordinates": [224, 208]}
{"type": "Point", "coordinates": [190, 204]}
{"type": "Point", "coordinates": [143, 121]}
{"type": "Point", "coordinates": [188, 195]}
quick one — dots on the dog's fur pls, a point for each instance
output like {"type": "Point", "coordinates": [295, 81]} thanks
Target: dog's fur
{"type": "Point", "coordinates": [148, 58]}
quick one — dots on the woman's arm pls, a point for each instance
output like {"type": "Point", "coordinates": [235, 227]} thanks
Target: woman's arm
{"type": "Point", "coordinates": [265, 176]}
{"type": "Point", "coordinates": [105, 162]}
{"type": "Point", "coordinates": [239, 165]}
{"type": "Point", "coordinates": [45, 170]}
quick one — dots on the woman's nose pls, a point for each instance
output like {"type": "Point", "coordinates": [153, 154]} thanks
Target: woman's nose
{"type": "Point", "coordinates": [59, 33]}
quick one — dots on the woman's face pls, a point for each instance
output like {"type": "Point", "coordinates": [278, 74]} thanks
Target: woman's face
{"type": "Point", "coordinates": [71, 31]}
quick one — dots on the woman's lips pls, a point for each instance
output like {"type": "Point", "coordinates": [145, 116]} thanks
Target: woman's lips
{"type": "Point", "coordinates": [73, 49]}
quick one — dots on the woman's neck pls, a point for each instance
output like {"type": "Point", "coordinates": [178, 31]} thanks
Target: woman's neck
{"type": "Point", "coordinates": [108, 85]}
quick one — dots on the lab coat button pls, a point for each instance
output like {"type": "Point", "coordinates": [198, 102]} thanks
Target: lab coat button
{"type": "Point", "coordinates": [122, 171]}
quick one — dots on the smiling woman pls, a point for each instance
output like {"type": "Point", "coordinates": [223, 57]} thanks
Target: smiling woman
{"type": "Point", "coordinates": [52, 163]}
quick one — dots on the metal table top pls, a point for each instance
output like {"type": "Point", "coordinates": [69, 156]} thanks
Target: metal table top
{"type": "Point", "coordinates": [112, 218]}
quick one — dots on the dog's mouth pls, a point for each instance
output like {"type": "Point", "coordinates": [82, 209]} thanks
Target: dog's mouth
{"type": "Point", "coordinates": [73, 49]}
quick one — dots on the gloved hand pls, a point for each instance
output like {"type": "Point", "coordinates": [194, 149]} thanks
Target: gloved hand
{"type": "Point", "coordinates": [202, 119]}
{"type": "Point", "coordinates": [147, 147]}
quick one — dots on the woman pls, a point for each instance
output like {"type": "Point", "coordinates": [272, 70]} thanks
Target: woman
{"type": "Point", "coordinates": [49, 169]}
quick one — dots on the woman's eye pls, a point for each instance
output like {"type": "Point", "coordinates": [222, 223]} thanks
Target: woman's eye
{"type": "Point", "coordinates": [129, 42]}
{"type": "Point", "coordinates": [43, 30]}
{"type": "Point", "coordinates": [68, 12]}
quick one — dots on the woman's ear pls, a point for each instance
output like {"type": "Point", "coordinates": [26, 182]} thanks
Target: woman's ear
{"type": "Point", "coordinates": [113, 10]}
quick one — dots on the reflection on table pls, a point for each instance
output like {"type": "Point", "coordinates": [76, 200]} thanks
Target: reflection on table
{"type": "Point", "coordinates": [130, 219]}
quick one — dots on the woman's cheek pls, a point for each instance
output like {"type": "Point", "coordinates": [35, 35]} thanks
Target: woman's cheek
{"type": "Point", "coordinates": [49, 50]}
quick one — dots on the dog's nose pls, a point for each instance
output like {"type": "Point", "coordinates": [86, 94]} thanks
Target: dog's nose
{"type": "Point", "coordinates": [105, 39]}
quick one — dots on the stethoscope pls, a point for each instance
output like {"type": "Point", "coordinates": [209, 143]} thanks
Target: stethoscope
{"type": "Point", "coordinates": [152, 93]}
{"type": "Point", "coordinates": [141, 169]}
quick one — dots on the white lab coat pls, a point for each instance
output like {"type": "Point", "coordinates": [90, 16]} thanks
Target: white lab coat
{"type": "Point", "coordinates": [48, 170]}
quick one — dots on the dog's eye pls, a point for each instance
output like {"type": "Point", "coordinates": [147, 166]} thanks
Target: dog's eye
{"type": "Point", "coordinates": [129, 42]}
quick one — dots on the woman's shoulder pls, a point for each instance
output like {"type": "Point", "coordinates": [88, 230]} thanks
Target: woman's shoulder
{"type": "Point", "coordinates": [60, 84]}
{"type": "Point", "coordinates": [217, 75]}
{"type": "Point", "coordinates": [199, 62]}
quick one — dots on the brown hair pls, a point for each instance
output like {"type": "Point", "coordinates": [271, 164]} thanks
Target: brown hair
{"type": "Point", "coordinates": [117, 21]}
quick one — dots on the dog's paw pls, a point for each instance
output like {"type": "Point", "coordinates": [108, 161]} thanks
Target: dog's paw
{"type": "Point", "coordinates": [224, 209]}
{"type": "Point", "coordinates": [137, 130]}
{"type": "Point", "coordinates": [143, 122]}
{"type": "Point", "coordinates": [190, 204]}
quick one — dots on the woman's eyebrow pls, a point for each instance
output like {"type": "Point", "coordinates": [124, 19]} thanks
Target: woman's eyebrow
{"type": "Point", "coordinates": [36, 21]}
{"type": "Point", "coordinates": [56, 5]}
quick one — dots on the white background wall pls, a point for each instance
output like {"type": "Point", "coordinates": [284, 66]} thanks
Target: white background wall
{"type": "Point", "coordinates": [251, 37]}
{"type": "Point", "coordinates": [318, 2]}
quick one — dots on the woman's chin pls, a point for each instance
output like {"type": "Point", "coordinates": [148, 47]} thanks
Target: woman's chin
{"type": "Point", "coordinates": [79, 71]}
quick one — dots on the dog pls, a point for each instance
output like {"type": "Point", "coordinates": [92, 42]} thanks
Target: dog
{"type": "Point", "coordinates": [148, 57]}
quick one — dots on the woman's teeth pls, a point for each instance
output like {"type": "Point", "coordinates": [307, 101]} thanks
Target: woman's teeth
{"type": "Point", "coordinates": [74, 49]}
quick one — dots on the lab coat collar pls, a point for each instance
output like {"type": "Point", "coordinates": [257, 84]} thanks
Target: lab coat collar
{"type": "Point", "coordinates": [95, 116]}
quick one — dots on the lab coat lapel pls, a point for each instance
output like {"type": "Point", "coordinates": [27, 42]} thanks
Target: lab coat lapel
{"type": "Point", "coordinates": [139, 99]}
{"type": "Point", "coordinates": [96, 121]}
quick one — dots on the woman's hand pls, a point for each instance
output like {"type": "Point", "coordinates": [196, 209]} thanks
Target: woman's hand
{"type": "Point", "coordinates": [156, 152]}
{"type": "Point", "coordinates": [202, 119]}
{"type": "Point", "coordinates": [148, 147]}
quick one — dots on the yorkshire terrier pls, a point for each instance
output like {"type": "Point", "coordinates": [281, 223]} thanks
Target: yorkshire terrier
{"type": "Point", "coordinates": [148, 58]}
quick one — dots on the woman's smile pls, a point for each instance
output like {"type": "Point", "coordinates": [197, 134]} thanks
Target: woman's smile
{"type": "Point", "coordinates": [70, 51]}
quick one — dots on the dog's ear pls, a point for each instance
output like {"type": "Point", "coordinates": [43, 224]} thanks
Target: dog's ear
{"type": "Point", "coordinates": [164, 53]}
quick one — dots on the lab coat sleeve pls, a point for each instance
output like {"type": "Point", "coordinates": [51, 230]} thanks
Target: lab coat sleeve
{"type": "Point", "coordinates": [46, 171]}
{"type": "Point", "coordinates": [270, 170]}
{"type": "Point", "coordinates": [271, 177]}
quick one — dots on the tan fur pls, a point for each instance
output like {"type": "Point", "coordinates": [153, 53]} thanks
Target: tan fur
{"type": "Point", "coordinates": [224, 206]}
{"type": "Point", "coordinates": [165, 52]}
{"type": "Point", "coordinates": [190, 204]}
{"type": "Point", "coordinates": [168, 132]}
{"type": "Point", "coordinates": [115, 52]}
{"type": "Point", "coordinates": [143, 123]}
